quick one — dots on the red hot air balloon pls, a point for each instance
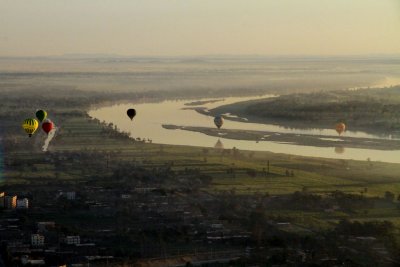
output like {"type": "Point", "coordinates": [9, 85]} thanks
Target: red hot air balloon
{"type": "Point", "coordinates": [340, 128]}
{"type": "Point", "coordinates": [47, 126]}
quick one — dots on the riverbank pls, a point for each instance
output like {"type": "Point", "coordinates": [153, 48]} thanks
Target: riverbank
{"type": "Point", "coordinates": [295, 139]}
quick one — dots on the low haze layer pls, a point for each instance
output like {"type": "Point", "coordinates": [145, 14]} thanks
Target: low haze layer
{"type": "Point", "coordinates": [158, 27]}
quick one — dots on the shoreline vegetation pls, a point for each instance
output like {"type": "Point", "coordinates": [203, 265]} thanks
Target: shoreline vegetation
{"type": "Point", "coordinates": [375, 111]}
{"type": "Point", "coordinates": [200, 102]}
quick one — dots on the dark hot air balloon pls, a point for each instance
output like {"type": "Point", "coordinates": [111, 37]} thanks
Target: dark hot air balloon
{"type": "Point", "coordinates": [218, 120]}
{"type": "Point", "coordinates": [131, 113]}
{"type": "Point", "coordinates": [41, 115]}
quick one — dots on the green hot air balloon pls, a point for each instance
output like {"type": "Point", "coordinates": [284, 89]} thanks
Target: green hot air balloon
{"type": "Point", "coordinates": [41, 115]}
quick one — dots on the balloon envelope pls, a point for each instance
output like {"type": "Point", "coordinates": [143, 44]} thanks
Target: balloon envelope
{"type": "Point", "coordinates": [30, 126]}
{"type": "Point", "coordinates": [131, 113]}
{"type": "Point", "coordinates": [41, 115]}
{"type": "Point", "coordinates": [340, 128]}
{"type": "Point", "coordinates": [47, 126]}
{"type": "Point", "coordinates": [218, 120]}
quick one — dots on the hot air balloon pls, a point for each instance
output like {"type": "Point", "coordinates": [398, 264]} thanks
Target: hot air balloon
{"type": "Point", "coordinates": [41, 115]}
{"type": "Point", "coordinates": [30, 126]}
{"type": "Point", "coordinates": [218, 120]}
{"type": "Point", "coordinates": [47, 126]}
{"type": "Point", "coordinates": [131, 113]}
{"type": "Point", "coordinates": [340, 128]}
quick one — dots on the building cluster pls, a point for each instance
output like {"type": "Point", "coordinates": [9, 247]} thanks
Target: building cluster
{"type": "Point", "coordinates": [101, 215]}
{"type": "Point", "coordinates": [42, 243]}
{"type": "Point", "coordinates": [92, 224]}
{"type": "Point", "coordinates": [10, 202]}
{"type": "Point", "coordinates": [45, 244]}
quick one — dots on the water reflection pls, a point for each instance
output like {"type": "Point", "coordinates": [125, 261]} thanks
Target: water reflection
{"type": "Point", "coordinates": [219, 145]}
{"type": "Point", "coordinates": [339, 150]}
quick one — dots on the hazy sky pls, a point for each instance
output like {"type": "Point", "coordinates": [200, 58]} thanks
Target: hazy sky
{"type": "Point", "coordinates": [199, 27]}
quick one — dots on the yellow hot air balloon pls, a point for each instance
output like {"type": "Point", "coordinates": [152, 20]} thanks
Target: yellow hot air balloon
{"type": "Point", "coordinates": [340, 128]}
{"type": "Point", "coordinates": [30, 126]}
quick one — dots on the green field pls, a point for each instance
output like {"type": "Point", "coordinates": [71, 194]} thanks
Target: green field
{"type": "Point", "coordinates": [317, 174]}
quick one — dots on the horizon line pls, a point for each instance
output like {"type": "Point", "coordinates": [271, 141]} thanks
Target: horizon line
{"type": "Point", "coordinates": [112, 55]}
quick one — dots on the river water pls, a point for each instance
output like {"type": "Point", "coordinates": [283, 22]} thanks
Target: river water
{"type": "Point", "coordinates": [151, 116]}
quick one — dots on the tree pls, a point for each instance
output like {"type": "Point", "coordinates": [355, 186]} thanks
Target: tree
{"type": "Point", "coordinates": [389, 196]}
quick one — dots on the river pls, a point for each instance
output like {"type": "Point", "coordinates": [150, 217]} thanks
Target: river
{"type": "Point", "coordinates": [151, 116]}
